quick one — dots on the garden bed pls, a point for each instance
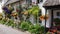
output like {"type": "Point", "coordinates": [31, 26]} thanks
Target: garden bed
{"type": "Point", "coordinates": [25, 26]}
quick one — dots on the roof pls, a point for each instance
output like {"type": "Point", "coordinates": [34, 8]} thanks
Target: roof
{"type": "Point", "coordinates": [11, 1]}
{"type": "Point", "coordinates": [52, 3]}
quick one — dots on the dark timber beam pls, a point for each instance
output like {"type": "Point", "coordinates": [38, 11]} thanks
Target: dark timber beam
{"type": "Point", "coordinates": [45, 20]}
{"type": "Point", "coordinates": [52, 17]}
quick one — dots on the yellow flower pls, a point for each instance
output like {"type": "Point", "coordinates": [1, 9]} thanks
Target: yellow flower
{"type": "Point", "coordinates": [41, 17]}
{"type": "Point", "coordinates": [25, 13]}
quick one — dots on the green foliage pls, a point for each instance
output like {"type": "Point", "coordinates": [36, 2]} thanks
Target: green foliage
{"type": "Point", "coordinates": [36, 29]}
{"type": "Point", "coordinates": [24, 25]}
{"type": "Point", "coordinates": [57, 21]}
{"type": "Point", "coordinates": [34, 10]}
{"type": "Point", "coordinates": [2, 22]}
{"type": "Point", "coordinates": [10, 23]}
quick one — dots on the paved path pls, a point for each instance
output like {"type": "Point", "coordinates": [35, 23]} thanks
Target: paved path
{"type": "Point", "coordinates": [8, 30]}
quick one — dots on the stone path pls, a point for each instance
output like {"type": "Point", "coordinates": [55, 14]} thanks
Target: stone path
{"type": "Point", "coordinates": [8, 30]}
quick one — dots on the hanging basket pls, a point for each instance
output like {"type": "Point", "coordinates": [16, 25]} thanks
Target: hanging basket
{"type": "Point", "coordinates": [41, 17]}
{"type": "Point", "coordinates": [47, 17]}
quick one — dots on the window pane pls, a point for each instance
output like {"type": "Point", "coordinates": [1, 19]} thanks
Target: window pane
{"type": "Point", "coordinates": [58, 14]}
{"type": "Point", "coordinates": [37, 1]}
{"type": "Point", "coordinates": [41, 0]}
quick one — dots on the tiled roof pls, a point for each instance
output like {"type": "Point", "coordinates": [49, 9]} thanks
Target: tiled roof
{"type": "Point", "coordinates": [51, 2]}
{"type": "Point", "coordinates": [11, 1]}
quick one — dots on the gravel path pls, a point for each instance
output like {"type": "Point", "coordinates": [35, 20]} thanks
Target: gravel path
{"type": "Point", "coordinates": [8, 30]}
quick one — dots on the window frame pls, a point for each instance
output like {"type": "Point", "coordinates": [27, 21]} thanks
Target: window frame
{"type": "Point", "coordinates": [58, 14]}
{"type": "Point", "coordinates": [38, 1]}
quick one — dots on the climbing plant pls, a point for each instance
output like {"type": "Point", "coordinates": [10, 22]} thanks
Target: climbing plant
{"type": "Point", "coordinates": [34, 11]}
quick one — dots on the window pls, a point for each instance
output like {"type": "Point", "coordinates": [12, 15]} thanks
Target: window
{"type": "Point", "coordinates": [41, 0]}
{"type": "Point", "coordinates": [58, 14]}
{"type": "Point", "coordinates": [38, 1]}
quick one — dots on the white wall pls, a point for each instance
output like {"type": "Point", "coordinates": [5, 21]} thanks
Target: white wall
{"type": "Point", "coordinates": [1, 5]}
{"type": "Point", "coordinates": [34, 1]}
{"type": "Point", "coordinates": [48, 23]}
{"type": "Point", "coordinates": [41, 7]}
{"type": "Point", "coordinates": [55, 11]}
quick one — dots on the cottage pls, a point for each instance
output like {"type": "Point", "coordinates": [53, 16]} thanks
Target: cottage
{"type": "Point", "coordinates": [16, 3]}
{"type": "Point", "coordinates": [53, 9]}
{"type": "Point", "coordinates": [53, 12]}
{"type": "Point", "coordinates": [43, 4]}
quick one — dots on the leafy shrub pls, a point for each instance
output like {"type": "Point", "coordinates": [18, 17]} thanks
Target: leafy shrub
{"type": "Point", "coordinates": [36, 29]}
{"type": "Point", "coordinates": [2, 22]}
{"type": "Point", "coordinates": [27, 26]}
{"type": "Point", "coordinates": [34, 10]}
{"type": "Point", "coordinates": [57, 21]}
{"type": "Point", "coordinates": [10, 23]}
{"type": "Point", "coordinates": [24, 25]}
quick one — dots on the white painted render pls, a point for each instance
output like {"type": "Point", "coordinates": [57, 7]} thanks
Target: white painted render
{"type": "Point", "coordinates": [2, 4]}
{"type": "Point", "coordinates": [34, 1]}
{"type": "Point", "coordinates": [55, 13]}
{"type": "Point", "coordinates": [43, 12]}
{"type": "Point", "coordinates": [48, 23]}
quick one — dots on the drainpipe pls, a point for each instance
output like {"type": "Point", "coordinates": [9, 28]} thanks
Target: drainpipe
{"type": "Point", "coordinates": [52, 18]}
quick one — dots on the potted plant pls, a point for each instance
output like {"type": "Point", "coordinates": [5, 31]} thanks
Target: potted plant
{"type": "Point", "coordinates": [57, 23]}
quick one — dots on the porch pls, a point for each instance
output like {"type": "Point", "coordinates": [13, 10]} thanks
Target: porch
{"type": "Point", "coordinates": [54, 7]}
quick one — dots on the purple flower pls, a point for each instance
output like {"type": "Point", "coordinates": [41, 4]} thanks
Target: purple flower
{"type": "Point", "coordinates": [6, 10]}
